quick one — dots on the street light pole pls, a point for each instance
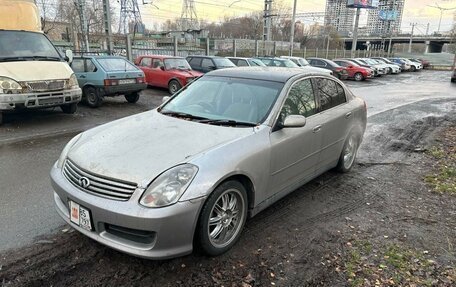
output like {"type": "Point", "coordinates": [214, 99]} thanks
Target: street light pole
{"type": "Point", "coordinates": [391, 31]}
{"type": "Point", "coordinates": [411, 38]}
{"type": "Point", "coordinates": [355, 33]}
{"type": "Point", "coordinates": [293, 19]}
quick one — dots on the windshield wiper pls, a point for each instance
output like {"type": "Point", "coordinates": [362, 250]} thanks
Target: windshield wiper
{"type": "Point", "coordinates": [183, 115]}
{"type": "Point", "coordinates": [228, 123]}
{"type": "Point", "coordinates": [12, 59]}
{"type": "Point", "coordinates": [46, 58]}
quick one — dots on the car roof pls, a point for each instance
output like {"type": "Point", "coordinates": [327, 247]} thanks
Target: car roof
{"type": "Point", "coordinates": [276, 74]}
{"type": "Point", "coordinates": [200, 56]}
{"type": "Point", "coordinates": [240, 58]}
{"type": "Point", "coordinates": [99, 57]}
{"type": "Point", "coordinates": [160, 57]}
{"type": "Point", "coordinates": [271, 58]}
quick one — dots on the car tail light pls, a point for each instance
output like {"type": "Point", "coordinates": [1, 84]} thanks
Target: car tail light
{"type": "Point", "coordinates": [110, 82]}
{"type": "Point", "coordinates": [140, 80]}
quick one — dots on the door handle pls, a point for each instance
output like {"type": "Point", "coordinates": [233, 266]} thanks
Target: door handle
{"type": "Point", "coordinates": [348, 115]}
{"type": "Point", "coordinates": [316, 129]}
{"type": "Point", "coordinates": [82, 76]}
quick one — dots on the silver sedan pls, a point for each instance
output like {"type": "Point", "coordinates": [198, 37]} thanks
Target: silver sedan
{"type": "Point", "coordinates": [191, 171]}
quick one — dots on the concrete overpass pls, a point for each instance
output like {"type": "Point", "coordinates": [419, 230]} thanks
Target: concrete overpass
{"type": "Point", "coordinates": [434, 44]}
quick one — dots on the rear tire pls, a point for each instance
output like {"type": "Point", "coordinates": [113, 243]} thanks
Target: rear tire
{"type": "Point", "coordinates": [70, 108]}
{"type": "Point", "coordinates": [222, 218]}
{"type": "Point", "coordinates": [92, 97]}
{"type": "Point", "coordinates": [174, 86]}
{"type": "Point", "coordinates": [348, 155]}
{"type": "Point", "coordinates": [132, 98]}
{"type": "Point", "coordinates": [359, 77]}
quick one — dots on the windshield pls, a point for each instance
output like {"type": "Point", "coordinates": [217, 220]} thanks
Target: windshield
{"type": "Point", "coordinates": [290, 64]}
{"type": "Point", "coordinates": [18, 45]}
{"type": "Point", "coordinates": [223, 62]}
{"type": "Point", "coordinates": [303, 62]}
{"type": "Point", "coordinates": [222, 98]}
{"type": "Point", "coordinates": [181, 64]}
{"type": "Point", "coordinates": [256, 62]}
{"type": "Point", "coordinates": [116, 64]}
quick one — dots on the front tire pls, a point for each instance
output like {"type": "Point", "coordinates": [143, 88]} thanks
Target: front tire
{"type": "Point", "coordinates": [132, 98]}
{"type": "Point", "coordinates": [222, 218]}
{"type": "Point", "coordinates": [413, 69]}
{"type": "Point", "coordinates": [173, 87]}
{"type": "Point", "coordinates": [348, 154]}
{"type": "Point", "coordinates": [359, 77]}
{"type": "Point", "coordinates": [70, 108]}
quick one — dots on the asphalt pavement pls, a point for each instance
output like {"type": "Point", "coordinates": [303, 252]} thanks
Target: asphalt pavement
{"type": "Point", "coordinates": [30, 142]}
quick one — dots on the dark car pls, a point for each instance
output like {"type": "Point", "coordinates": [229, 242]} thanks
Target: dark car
{"type": "Point", "coordinates": [206, 64]}
{"type": "Point", "coordinates": [339, 71]}
{"type": "Point", "coordinates": [107, 76]}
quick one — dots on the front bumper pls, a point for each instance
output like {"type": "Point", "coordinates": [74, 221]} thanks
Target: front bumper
{"type": "Point", "coordinates": [122, 89]}
{"type": "Point", "coordinates": [39, 100]}
{"type": "Point", "coordinates": [153, 233]}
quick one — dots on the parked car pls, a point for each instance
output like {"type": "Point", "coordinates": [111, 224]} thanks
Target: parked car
{"type": "Point", "coordinates": [158, 186]}
{"type": "Point", "coordinates": [338, 71]}
{"type": "Point", "coordinates": [166, 71]}
{"type": "Point", "coordinates": [33, 74]}
{"type": "Point", "coordinates": [206, 64]}
{"type": "Point", "coordinates": [107, 76]}
{"type": "Point", "coordinates": [386, 61]}
{"type": "Point", "coordinates": [404, 66]}
{"type": "Point", "coordinates": [382, 69]}
{"type": "Point", "coordinates": [390, 68]}
{"type": "Point", "coordinates": [303, 64]}
{"type": "Point", "coordinates": [354, 70]}
{"type": "Point", "coordinates": [288, 63]}
{"type": "Point", "coordinates": [246, 62]}
{"type": "Point", "coordinates": [423, 62]}
{"type": "Point", "coordinates": [453, 77]}
{"type": "Point", "coordinates": [414, 67]}
{"type": "Point", "coordinates": [365, 65]}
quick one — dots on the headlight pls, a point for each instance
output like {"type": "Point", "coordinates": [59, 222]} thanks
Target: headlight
{"type": "Point", "coordinates": [9, 86]}
{"type": "Point", "coordinates": [169, 186]}
{"type": "Point", "coordinates": [67, 148]}
{"type": "Point", "coordinates": [73, 82]}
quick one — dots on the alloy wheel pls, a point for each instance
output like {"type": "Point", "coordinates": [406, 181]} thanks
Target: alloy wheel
{"type": "Point", "coordinates": [350, 153]}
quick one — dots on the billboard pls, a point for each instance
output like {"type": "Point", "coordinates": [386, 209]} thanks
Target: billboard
{"type": "Point", "coordinates": [369, 4]}
{"type": "Point", "coordinates": [386, 15]}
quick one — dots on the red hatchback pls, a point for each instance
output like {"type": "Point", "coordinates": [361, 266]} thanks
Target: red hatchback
{"type": "Point", "coordinates": [166, 71]}
{"type": "Point", "coordinates": [355, 71]}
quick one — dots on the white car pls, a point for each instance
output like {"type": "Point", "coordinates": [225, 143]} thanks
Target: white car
{"type": "Point", "coordinates": [391, 68]}
{"type": "Point", "coordinates": [414, 67]}
{"type": "Point", "coordinates": [302, 63]}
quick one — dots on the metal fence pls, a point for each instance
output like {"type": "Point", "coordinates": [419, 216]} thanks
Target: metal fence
{"type": "Point", "coordinates": [132, 47]}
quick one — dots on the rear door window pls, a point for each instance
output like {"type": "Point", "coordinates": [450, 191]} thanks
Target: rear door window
{"type": "Point", "coordinates": [146, 62]}
{"type": "Point", "coordinates": [78, 65]}
{"type": "Point", "coordinates": [242, 63]}
{"type": "Point", "coordinates": [157, 63]}
{"type": "Point", "coordinates": [331, 93]}
{"type": "Point", "coordinates": [196, 62]}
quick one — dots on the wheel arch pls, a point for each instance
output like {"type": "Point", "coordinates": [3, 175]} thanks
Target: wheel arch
{"type": "Point", "coordinates": [175, 79]}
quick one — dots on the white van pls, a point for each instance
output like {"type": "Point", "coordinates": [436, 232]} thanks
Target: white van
{"type": "Point", "coordinates": [33, 74]}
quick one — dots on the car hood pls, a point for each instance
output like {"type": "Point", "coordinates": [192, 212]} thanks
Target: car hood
{"type": "Point", "coordinates": [316, 70]}
{"type": "Point", "coordinates": [27, 70]}
{"type": "Point", "coordinates": [139, 148]}
{"type": "Point", "coordinates": [185, 73]}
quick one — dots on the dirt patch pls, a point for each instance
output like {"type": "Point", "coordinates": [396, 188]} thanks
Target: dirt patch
{"type": "Point", "coordinates": [321, 235]}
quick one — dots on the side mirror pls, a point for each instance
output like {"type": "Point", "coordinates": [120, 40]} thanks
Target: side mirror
{"type": "Point", "coordinates": [69, 56]}
{"type": "Point", "coordinates": [165, 99]}
{"type": "Point", "coordinates": [294, 121]}
{"type": "Point", "coordinates": [162, 68]}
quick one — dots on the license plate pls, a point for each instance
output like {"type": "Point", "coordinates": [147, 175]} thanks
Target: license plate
{"type": "Point", "coordinates": [80, 216]}
{"type": "Point", "coordinates": [128, 81]}
{"type": "Point", "coordinates": [50, 101]}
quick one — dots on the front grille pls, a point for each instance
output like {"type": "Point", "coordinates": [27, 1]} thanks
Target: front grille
{"type": "Point", "coordinates": [96, 184]}
{"type": "Point", "coordinates": [45, 86]}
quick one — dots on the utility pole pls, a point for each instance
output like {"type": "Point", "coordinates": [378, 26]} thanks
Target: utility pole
{"type": "Point", "coordinates": [108, 26]}
{"type": "Point", "coordinates": [391, 30]}
{"type": "Point", "coordinates": [441, 13]}
{"type": "Point", "coordinates": [293, 20]}
{"type": "Point", "coordinates": [355, 33]}
{"type": "Point", "coordinates": [84, 27]}
{"type": "Point", "coordinates": [267, 20]}
{"type": "Point", "coordinates": [411, 37]}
